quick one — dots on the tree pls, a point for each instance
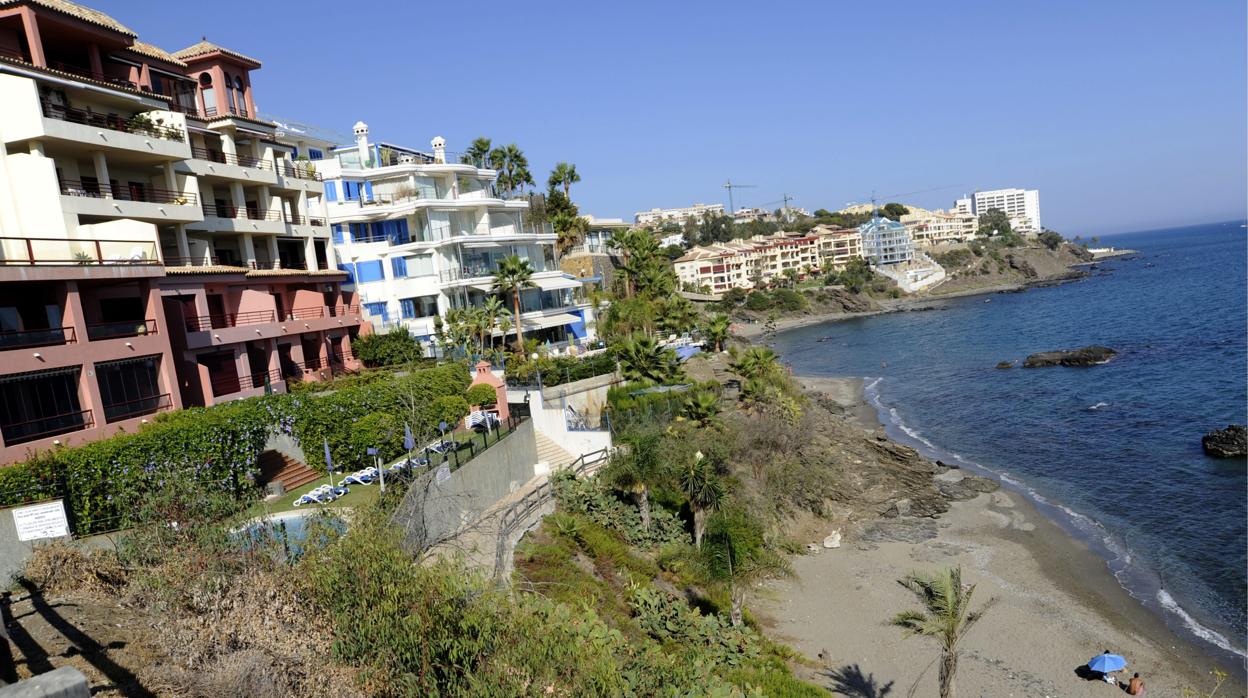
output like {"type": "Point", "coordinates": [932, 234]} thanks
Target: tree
{"type": "Point", "coordinates": [994, 222]}
{"type": "Point", "coordinates": [757, 362]}
{"type": "Point", "coordinates": [735, 556]}
{"type": "Point", "coordinates": [513, 275]}
{"type": "Point", "coordinates": [1051, 239]}
{"type": "Point", "coordinates": [701, 407]}
{"type": "Point", "coordinates": [639, 466]}
{"type": "Point", "coordinates": [894, 211]}
{"type": "Point", "coordinates": [394, 348]}
{"type": "Point", "coordinates": [478, 153]}
{"type": "Point", "coordinates": [790, 277]}
{"type": "Point", "coordinates": [512, 167]}
{"type": "Point", "coordinates": [564, 175]}
{"type": "Point", "coordinates": [946, 615]}
{"type": "Point", "coordinates": [642, 359]}
{"type": "Point", "coordinates": [716, 330]}
{"type": "Point", "coordinates": [678, 314]}
{"type": "Point", "coordinates": [702, 486]}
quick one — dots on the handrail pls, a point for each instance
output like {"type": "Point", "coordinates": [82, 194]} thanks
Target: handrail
{"type": "Point", "coordinates": [125, 328]}
{"type": "Point", "coordinates": [236, 111]}
{"type": "Point", "coordinates": [203, 323]}
{"type": "Point", "coordinates": [298, 172]}
{"type": "Point", "coordinates": [75, 421]}
{"type": "Point", "coordinates": [82, 252]}
{"type": "Point", "coordinates": [232, 211]}
{"type": "Point", "coordinates": [37, 338]}
{"type": "Point", "coordinates": [209, 261]}
{"type": "Point", "coordinates": [151, 195]}
{"type": "Point", "coordinates": [137, 407]}
{"type": "Point", "coordinates": [137, 124]}
{"type": "Point", "coordinates": [308, 313]}
{"type": "Point", "coordinates": [228, 385]}
{"type": "Point", "coordinates": [225, 158]}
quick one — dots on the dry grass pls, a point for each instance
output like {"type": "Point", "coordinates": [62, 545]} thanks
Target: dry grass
{"type": "Point", "coordinates": [60, 567]}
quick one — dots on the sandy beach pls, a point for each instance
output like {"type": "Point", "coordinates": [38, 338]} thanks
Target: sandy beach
{"type": "Point", "coordinates": [1055, 604]}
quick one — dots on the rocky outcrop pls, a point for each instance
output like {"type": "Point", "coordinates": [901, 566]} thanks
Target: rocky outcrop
{"type": "Point", "coordinates": [1005, 364]}
{"type": "Point", "coordinates": [1087, 356]}
{"type": "Point", "coordinates": [1023, 267]}
{"type": "Point", "coordinates": [1231, 442]}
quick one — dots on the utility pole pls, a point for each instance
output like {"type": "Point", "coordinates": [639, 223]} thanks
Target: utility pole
{"type": "Point", "coordinates": [730, 186]}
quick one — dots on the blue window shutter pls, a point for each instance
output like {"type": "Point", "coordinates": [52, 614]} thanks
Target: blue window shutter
{"type": "Point", "coordinates": [331, 191]}
{"type": "Point", "coordinates": [369, 271]}
{"type": "Point", "coordinates": [368, 190]}
{"type": "Point", "coordinates": [399, 266]}
{"type": "Point", "coordinates": [350, 191]}
{"type": "Point", "coordinates": [401, 231]}
{"type": "Point", "coordinates": [337, 228]}
{"type": "Point", "coordinates": [407, 308]}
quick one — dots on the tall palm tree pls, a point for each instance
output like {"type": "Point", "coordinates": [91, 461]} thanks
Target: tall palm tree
{"type": "Point", "coordinates": [642, 359]}
{"type": "Point", "coordinates": [679, 315]}
{"type": "Point", "coordinates": [637, 467]}
{"type": "Point", "coordinates": [716, 330]}
{"type": "Point", "coordinates": [946, 615]}
{"type": "Point", "coordinates": [494, 309]}
{"type": "Point", "coordinates": [564, 175]}
{"type": "Point", "coordinates": [512, 166]}
{"type": "Point", "coordinates": [735, 557]}
{"type": "Point", "coordinates": [705, 490]}
{"type": "Point", "coordinates": [478, 153]}
{"type": "Point", "coordinates": [513, 275]}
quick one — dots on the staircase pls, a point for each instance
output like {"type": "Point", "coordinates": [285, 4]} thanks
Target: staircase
{"type": "Point", "coordinates": [278, 467]}
{"type": "Point", "coordinates": [550, 452]}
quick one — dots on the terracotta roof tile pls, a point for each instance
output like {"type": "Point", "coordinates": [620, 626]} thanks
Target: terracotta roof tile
{"type": "Point", "coordinates": [76, 11]}
{"type": "Point", "coordinates": [205, 47]}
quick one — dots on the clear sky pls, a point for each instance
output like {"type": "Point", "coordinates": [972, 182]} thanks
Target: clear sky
{"type": "Point", "coordinates": [1124, 114]}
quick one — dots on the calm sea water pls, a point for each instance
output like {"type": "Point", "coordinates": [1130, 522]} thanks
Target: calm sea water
{"type": "Point", "coordinates": [1111, 452]}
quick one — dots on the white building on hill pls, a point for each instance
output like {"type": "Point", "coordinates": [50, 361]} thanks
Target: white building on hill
{"type": "Point", "coordinates": [1021, 205]}
{"type": "Point", "coordinates": [659, 216]}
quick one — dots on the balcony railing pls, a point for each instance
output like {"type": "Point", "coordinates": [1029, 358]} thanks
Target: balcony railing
{"type": "Point", "coordinates": [139, 123]}
{"type": "Point", "coordinates": [203, 323]}
{"type": "Point", "coordinates": [37, 338]}
{"type": "Point", "coordinates": [203, 261]}
{"type": "Point", "coordinates": [137, 408]}
{"type": "Point", "coordinates": [304, 171]}
{"type": "Point", "coordinates": [113, 330]}
{"type": "Point", "coordinates": [227, 385]}
{"type": "Point", "coordinates": [344, 310]}
{"type": "Point", "coordinates": [213, 112]}
{"type": "Point", "coordinates": [22, 432]}
{"type": "Point", "coordinates": [228, 159]}
{"type": "Point", "coordinates": [59, 251]}
{"type": "Point", "coordinates": [247, 212]}
{"type": "Point", "coordinates": [152, 195]}
{"type": "Point", "coordinates": [182, 109]}
{"type": "Point", "coordinates": [309, 313]}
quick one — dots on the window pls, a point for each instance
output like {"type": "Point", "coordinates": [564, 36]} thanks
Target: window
{"type": "Point", "coordinates": [398, 265]}
{"type": "Point", "coordinates": [368, 271]}
{"type": "Point", "coordinates": [229, 95]}
{"type": "Point", "coordinates": [420, 265]}
{"type": "Point", "coordinates": [350, 191]}
{"type": "Point", "coordinates": [377, 310]}
{"type": "Point", "coordinates": [130, 387]}
{"type": "Point", "coordinates": [41, 404]}
{"type": "Point", "coordinates": [338, 230]}
{"type": "Point", "coordinates": [331, 191]}
{"type": "Point", "coordinates": [314, 154]}
{"type": "Point", "coordinates": [395, 231]}
{"type": "Point", "coordinates": [418, 307]}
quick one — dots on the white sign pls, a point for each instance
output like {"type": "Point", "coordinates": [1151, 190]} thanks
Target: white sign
{"type": "Point", "coordinates": [45, 520]}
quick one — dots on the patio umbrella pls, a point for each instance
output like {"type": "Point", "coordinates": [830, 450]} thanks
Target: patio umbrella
{"type": "Point", "coordinates": [1106, 663]}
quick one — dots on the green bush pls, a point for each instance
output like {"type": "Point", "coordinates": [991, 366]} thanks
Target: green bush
{"type": "Point", "coordinates": [600, 504]}
{"type": "Point", "coordinates": [393, 348]}
{"type": "Point", "coordinates": [788, 299]}
{"type": "Point", "coordinates": [758, 301]}
{"type": "Point", "coordinates": [669, 619]}
{"type": "Point", "coordinates": [481, 394]}
{"type": "Point", "coordinates": [449, 409]}
{"type": "Point", "coordinates": [557, 370]}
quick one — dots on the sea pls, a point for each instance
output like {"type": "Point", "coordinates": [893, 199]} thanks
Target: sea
{"type": "Point", "coordinates": [1111, 452]}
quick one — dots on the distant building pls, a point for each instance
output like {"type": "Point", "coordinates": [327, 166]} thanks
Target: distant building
{"type": "Point", "coordinates": [837, 246]}
{"type": "Point", "coordinates": [936, 227]}
{"type": "Point", "coordinates": [659, 216]}
{"type": "Point", "coordinates": [673, 239]}
{"type": "Point", "coordinates": [592, 261]}
{"type": "Point", "coordinates": [745, 215]}
{"type": "Point", "coordinates": [886, 241]}
{"type": "Point", "coordinates": [1022, 206]}
{"type": "Point", "coordinates": [738, 263]}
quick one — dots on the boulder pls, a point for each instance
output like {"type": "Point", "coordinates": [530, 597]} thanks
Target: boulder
{"type": "Point", "coordinates": [1005, 364]}
{"type": "Point", "coordinates": [1086, 356]}
{"type": "Point", "coordinates": [833, 540]}
{"type": "Point", "coordinates": [902, 506]}
{"type": "Point", "coordinates": [1231, 442]}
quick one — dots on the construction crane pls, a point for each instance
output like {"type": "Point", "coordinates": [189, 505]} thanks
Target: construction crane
{"type": "Point", "coordinates": [730, 186]}
{"type": "Point", "coordinates": [875, 199]}
{"type": "Point", "coordinates": [784, 199]}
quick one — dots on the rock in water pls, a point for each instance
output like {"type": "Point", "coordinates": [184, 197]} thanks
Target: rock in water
{"type": "Point", "coordinates": [1231, 442]}
{"type": "Point", "coordinates": [1005, 364]}
{"type": "Point", "coordinates": [1087, 356]}
{"type": "Point", "coordinates": [833, 541]}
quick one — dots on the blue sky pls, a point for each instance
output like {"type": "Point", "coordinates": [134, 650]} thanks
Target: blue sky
{"type": "Point", "coordinates": [1125, 114]}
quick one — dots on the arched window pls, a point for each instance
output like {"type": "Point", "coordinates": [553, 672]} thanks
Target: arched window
{"type": "Point", "coordinates": [229, 94]}
{"type": "Point", "coordinates": [238, 95]}
{"type": "Point", "coordinates": [209, 94]}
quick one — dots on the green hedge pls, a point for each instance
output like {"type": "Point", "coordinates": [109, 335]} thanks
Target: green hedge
{"type": "Point", "coordinates": [103, 481]}
{"type": "Point", "coordinates": [560, 369]}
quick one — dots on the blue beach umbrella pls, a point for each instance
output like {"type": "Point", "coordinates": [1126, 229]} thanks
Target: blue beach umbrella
{"type": "Point", "coordinates": [1106, 663]}
{"type": "Point", "coordinates": [409, 441]}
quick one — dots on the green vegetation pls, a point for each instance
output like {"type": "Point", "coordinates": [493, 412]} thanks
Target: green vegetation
{"type": "Point", "coordinates": [946, 615]}
{"type": "Point", "coordinates": [643, 360]}
{"type": "Point", "coordinates": [1051, 239]}
{"type": "Point", "coordinates": [855, 277]}
{"type": "Point", "coordinates": [558, 370]}
{"type": "Point", "coordinates": [513, 276]}
{"type": "Point", "coordinates": [564, 175]}
{"type": "Point", "coordinates": [778, 299]}
{"type": "Point", "coordinates": [394, 348]}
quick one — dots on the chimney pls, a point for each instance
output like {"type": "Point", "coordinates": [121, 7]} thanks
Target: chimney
{"type": "Point", "coordinates": [361, 143]}
{"type": "Point", "coordinates": [439, 149]}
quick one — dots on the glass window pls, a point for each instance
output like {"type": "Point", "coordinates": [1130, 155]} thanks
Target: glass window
{"type": "Point", "coordinates": [420, 265]}
{"type": "Point", "coordinates": [419, 306]}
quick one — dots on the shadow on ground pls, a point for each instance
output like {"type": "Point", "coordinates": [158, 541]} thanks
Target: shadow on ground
{"type": "Point", "coordinates": [850, 681]}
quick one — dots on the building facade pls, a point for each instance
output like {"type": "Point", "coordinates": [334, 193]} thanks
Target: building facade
{"type": "Point", "coordinates": [137, 188]}
{"type": "Point", "coordinates": [764, 259]}
{"type": "Point", "coordinates": [421, 233]}
{"type": "Point", "coordinates": [886, 241]}
{"type": "Point", "coordinates": [1022, 206]}
{"type": "Point", "coordinates": [659, 216]}
{"type": "Point", "coordinates": [937, 227]}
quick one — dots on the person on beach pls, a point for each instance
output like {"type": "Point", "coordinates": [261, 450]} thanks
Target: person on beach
{"type": "Point", "coordinates": [1136, 686]}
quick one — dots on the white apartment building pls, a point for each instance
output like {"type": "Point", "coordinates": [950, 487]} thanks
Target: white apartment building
{"type": "Point", "coordinates": [936, 227]}
{"type": "Point", "coordinates": [886, 241]}
{"type": "Point", "coordinates": [738, 263]}
{"type": "Point", "coordinates": [422, 233]}
{"type": "Point", "coordinates": [659, 216]}
{"type": "Point", "coordinates": [1022, 206]}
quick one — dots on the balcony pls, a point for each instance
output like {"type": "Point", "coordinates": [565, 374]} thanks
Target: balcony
{"type": "Point", "coordinates": [139, 124]}
{"type": "Point", "coordinates": [227, 159]}
{"type": "Point", "coordinates": [114, 330]}
{"type": "Point", "coordinates": [227, 218]}
{"type": "Point", "coordinates": [214, 113]}
{"type": "Point", "coordinates": [151, 195]}
{"type": "Point", "coordinates": [230, 384]}
{"type": "Point", "coordinates": [204, 323]}
{"type": "Point", "coordinates": [305, 172]}
{"type": "Point", "coordinates": [44, 427]}
{"type": "Point", "coordinates": [321, 311]}
{"type": "Point", "coordinates": [137, 408]}
{"type": "Point", "coordinates": [62, 252]}
{"type": "Point", "coordinates": [54, 336]}
{"type": "Point", "coordinates": [247, 212]}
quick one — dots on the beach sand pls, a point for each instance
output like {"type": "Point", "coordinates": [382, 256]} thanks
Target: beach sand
{"type": "Point", "coordinates": [1056, 604]}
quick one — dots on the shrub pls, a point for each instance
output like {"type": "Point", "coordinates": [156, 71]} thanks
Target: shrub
{"type": "Point", "coordinates": [449, 409]}
{"type": "Point", "coordinates": [788, 299]}
{"type": "Point", "coordinates": [393, 348]}
{"type": "Point", "coordinates": [481, 394]}
{"type": "Point", "coordinates": [599, 504]}
{"type": "Point", "coordinates": [758, 301]}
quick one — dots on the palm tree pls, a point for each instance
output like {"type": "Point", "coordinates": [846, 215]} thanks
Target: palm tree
{"type": "Point", "coordinates": [564, 175]}
{"type": "Point", "coordinates": [494, 309]}
{"type": "Point", "coordinates": [705, 490]}
{"type": "Point", "coordinates": [735, 557]}
{"type": "Point", "coordinates": [512, 166]}
{"type": "Point", "coordinates": [679, 314]}
{"type": "Point", "coordinates": [716, 330]}
{"type": "Point", "coordinates": [642, 359]}
{"type": "Point", "coordinates": [478, 153]}
{"type": "Point", "coordinates": [513, 275]}
{"type": "Point", "coordinates": [639, 466]}
{"type": "Point", "coordinates": [946, 615]}
{"type": "Point", "coordinates": [701, 407]}
{"type": "Point", "coordinates": [756, 362]}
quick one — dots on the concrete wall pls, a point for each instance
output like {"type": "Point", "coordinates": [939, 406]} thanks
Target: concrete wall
{"type": "Point", "coordinates": [431, 511]}
{"type": "Point", "coordinates": [66, 682]}
{"type": "Point", "coordinates": [588, 397]}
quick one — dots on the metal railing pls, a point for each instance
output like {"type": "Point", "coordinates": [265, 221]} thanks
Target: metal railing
{"type": "Point", "coordinates": [305, 171]}
{"type": "Point", "coordinates": [126, 328]}
{"type": "Point", "coordinates": [137, 407]}
{"type": "Point", "coordinates": [203, 323]}
{"type": "Point", "coordinates": [213, 112]}
{"type": "Point", "coordinates": [513, 516]}
{"type": "Point", "coordinates": [37, 338]}
{"type": "Point", "coordinates": [61, 251]}
{"type": "Point", "coordinates": [247, 212]}
{"type": "Point", "coordinates": [151, 195]}
{"type": "Point", "coordinates": [308, 313]}
{"type": "Point", "coordinates": [227, 159]}
{"type": "Point", "coordinates": [202, 261]}
{"type": "Point", "coordinates": [137, 124]}
{"type": "Point", "coordinates": [34, 429]}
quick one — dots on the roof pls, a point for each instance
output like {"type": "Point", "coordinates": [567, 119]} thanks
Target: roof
{"type": "Point", "coordinates": [76, 11]}
{"type": "Point", "coordinates": [206, 47]}
{"type": "Point", "coordinates": [151, 51]}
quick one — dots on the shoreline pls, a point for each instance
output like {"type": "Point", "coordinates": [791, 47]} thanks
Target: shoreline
{"type": "Point", "coordinates": [1047, 584]}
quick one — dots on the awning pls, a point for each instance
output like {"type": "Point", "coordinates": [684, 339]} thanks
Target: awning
{"type": "Point", "coordinates": [557, 283]}
{"type": "Point", "coordinates": [541, 323]}
{"type": "Point", "coordinates": [484, 288]}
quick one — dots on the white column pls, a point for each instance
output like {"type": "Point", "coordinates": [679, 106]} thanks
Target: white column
{"type": "Point", "coordinates": [101, 171]}
{"type": "Point", "coordinates": [184, 248]}
{"type": "Point", "coordinates": [249, 249]}
{"type": "Point", "coordinates": [238, 197]}
{"type": "Point", "coordinates": [228, 146]}
{"type": "Point", "coordinates": [271, 242]}
{"type": "Point", "coordinates": [309, 253]}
